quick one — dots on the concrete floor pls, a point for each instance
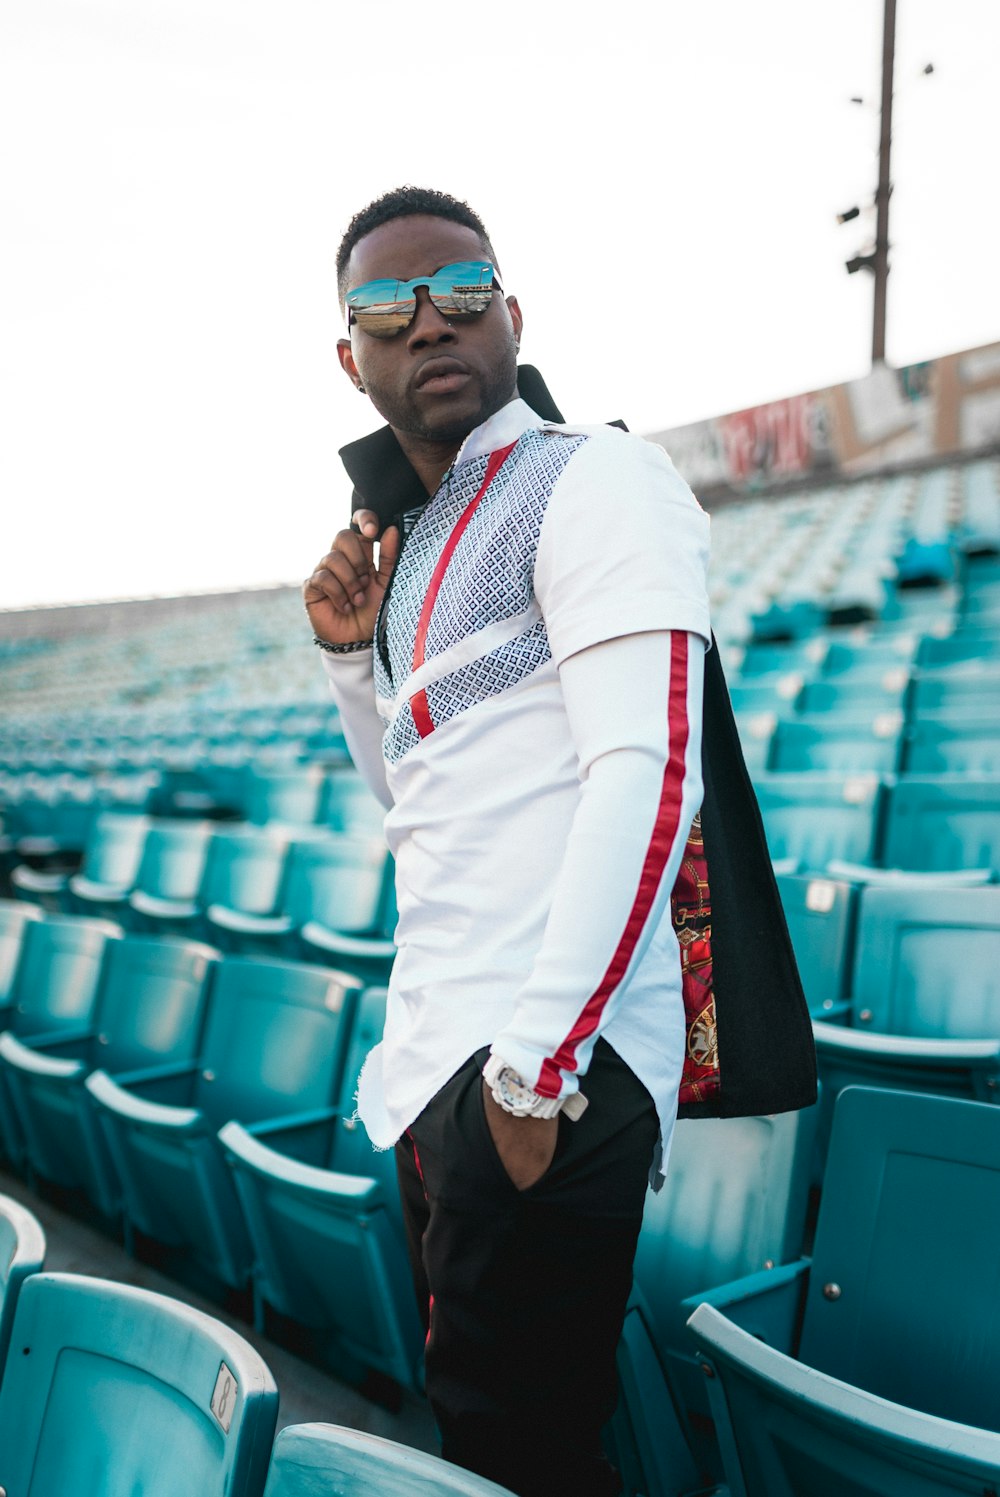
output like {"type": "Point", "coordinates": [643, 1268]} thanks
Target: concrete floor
{"type": "Point", "coordinates": [307, 1392]}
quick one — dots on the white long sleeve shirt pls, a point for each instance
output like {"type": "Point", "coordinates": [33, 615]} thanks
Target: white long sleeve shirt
{"type": "Point", "coordinates": [537, 742]}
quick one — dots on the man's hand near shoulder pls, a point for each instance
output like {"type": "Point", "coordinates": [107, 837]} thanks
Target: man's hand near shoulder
{"type": "Point", "coordinates": [345, 592]}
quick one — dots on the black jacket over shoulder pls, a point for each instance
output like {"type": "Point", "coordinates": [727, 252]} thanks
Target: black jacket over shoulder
{"type": "Point", "coordinates": [750, 1045]}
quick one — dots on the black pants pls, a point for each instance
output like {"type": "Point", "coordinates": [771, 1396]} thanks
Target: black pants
{"type": "Point", "coordinates": [524, 1292]}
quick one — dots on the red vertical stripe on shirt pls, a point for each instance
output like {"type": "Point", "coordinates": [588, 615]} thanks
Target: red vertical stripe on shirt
{"type": "Point", "coordinates": [665, 829]}
{"type": "Point", "coordinates": [418, 702]}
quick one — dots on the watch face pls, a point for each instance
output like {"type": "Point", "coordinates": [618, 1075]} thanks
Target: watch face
{"type": "Point", "coordinates": [513, 1089]}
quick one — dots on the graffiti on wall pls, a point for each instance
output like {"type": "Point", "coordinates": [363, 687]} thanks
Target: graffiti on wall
{"type": "Point", "coordinates": [942, 406]}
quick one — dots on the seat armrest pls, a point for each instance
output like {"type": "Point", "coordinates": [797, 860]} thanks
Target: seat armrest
{"type": "Point", "coordinates": [377, 948]}
{"type": "Point", "coordinates": [22, 1057]}
{"type": "Point", "coordinates": [908, 1047]}
{"type": "Point", "coordinates": [353, 1191]}
{"type": "Point", "coordinates": [767, 1304]}
{"type": "Point", "coordinates": [125, 1104]}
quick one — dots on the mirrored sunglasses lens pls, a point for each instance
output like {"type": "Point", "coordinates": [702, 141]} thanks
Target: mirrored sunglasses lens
{"type": "Point", "coordinates": [385, 319]}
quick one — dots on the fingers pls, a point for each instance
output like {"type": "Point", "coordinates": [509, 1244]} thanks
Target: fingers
{"type": "Point", "coordinates": [344, 574]}
{"type": "Point", "coordinates": [388, 551]}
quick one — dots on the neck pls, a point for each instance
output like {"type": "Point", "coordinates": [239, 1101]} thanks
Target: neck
{"type": "Point", "coordinates": [430, 460]}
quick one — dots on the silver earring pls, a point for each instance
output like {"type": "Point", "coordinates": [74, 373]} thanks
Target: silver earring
{"type": "Point", "coordinates": [362, 390]}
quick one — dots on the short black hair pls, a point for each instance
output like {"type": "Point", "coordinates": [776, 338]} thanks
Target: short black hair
{"type": "Point", "coordinates": [405, 202]}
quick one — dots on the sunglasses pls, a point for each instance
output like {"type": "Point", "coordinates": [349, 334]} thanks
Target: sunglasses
{"type": "Point", "coordinates": [384, 308]}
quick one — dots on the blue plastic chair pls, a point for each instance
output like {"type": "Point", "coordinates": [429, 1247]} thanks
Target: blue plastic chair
{"type": "Point", "coordinates": [943, 822]}
{"type": "Point", "coordinates": [165, 896]}
{"type": "Point", "coordinates": [243, 874]}
{"type": "Point", "coordinates": [838, 744]}
{"type": "Point", "coordinates": [860, 1371]}
{"type": "Point", "coordinates": [969, 745]}
{"type": "Point", "coordinates": [350, 807]}
{"type": "Point", "coordinates": [274, 1047]}
{"type": "Point", "coordinates": [330, 882]}
{"type": "Point", "coordinates": [322, 1208]}
{"type": "Point", "coordinates": [292, 797]}
{"type": "Point", "coordinates": [110, 865]}
{"type": "Point", "coordinates": [111, 1389]}
{"type": "Point", "coordinates": [22, 1253]}
{"type": "Point", "coordinates": [734, 1201]}
{"type": "Point", "coordinates": [150, 1010]}
{"type": "Point", "coordinates": [960, 694]}
{"type": "Point", "coordinates": [814, 817]}
{"type": "Point", "coordinates": [821, 915]}
{"type": "Point", "coordinates": [324, 1460]}
{"type": "Point", "coordinates": [14, 916]}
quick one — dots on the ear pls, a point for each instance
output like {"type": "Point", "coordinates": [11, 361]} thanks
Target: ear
{"type": "Point", "coordinates": [515, 316]}
{"type": "Point", "coordinates": [345, 354]}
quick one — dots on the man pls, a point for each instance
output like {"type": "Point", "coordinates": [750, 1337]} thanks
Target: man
{"type": "Point", "coordinates": [519, 673]}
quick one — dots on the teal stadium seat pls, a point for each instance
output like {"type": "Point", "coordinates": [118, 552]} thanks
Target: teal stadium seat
{"type": "Point", "coordinates": [22, 1253]}
{"type": "Point", "coordinates": [324, 1460]}
{"type": "Point", "coordinates": [114, 1390]}
{"type": "Point", "coordinates": [969, 745]}
{"type": "Point", "coordinates": [838, 744]}
{"type": "Point", "coordinates": [14, 916]}
{"type": "Point", "coordinates": [962, 694]}
{"type": "Point", "coordinates": [821, 914]}
{"type": "Point", "coordinates": [243, 874]}
{"type": "Point", "coordinates": [150, 1010]}
{"type": "Point", "coordinates": [53, 987]}
{"type": "Point", "coordinates": [322, 1207]}
{"type": "Point", "coordinates": [943, 822]}
{"type": "Point", "coordinates": [813, 817]}
{"type": "Point", "coordinates": [349, 806]}
{"type": "Point", "coordinates": [110, 865]}
{"type": "Point", "coordinates": [734, 1201]}
{"type": "Point", "coordinates": [925, 1003]}
{"type": "Point", "coordinates": [274, 1046]}
{"type": "Point", "coordinates": [165, 896]}
{"type": "Point", "coordinates": [331, 882]}
{"type": "Point", "coordinates": [865, 696]}
{"type": "Point", "coordinates": [963, 647]}
{"type": "Point", "coordinates": [290, 797]}
{"type": "Point", "coordinates": [889, 1387]}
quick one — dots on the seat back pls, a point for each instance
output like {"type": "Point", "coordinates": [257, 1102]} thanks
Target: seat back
{"type": "Point", "coordinates": [844, 745]}
{"type": "Point", "coordinates": [275, 1039]}
{"type": "Point", "coordinates": [969, 745]}
{"type": "Point", "coordinates": [735, 1201]}
{"type": "Point", "coordinates": [173, 859]}
{"type": "Point", "coordinates": [820, 913]}
{"type": "Point", "coordinates": [120, 1391]}
{"type": "Point", "coordinates": [366, 1032]}
{"type": "Point", "coordinates": [349, 806]}
{"type": "Point", "coordinates": [313, 1459]}
{"type": "Point", "coordinates": [22, 1253]}
{"type": "Point", "coordinates": [152, 1001]}
{"type": "Point", "coordinates": [292, 796]}
{"type": "Point", "coordinates": [337, 881]}
{"type": "Point", "coordinates": [14, 915]}
{"type": "Point", "coordinates": [789, 1431]}
{"type": "Point", "coordinates": [815, 817]}
{"type": "Point", "coordinates": [928, 962]}
{"type": "Point", "coordinates": [910, 1206]}
{"type": "Point", "coordinates": [56, 979]}
{"type": "Point", "coordinates": [114, 849]}
{"type": "Point", "coordinates": [243, 871]}
{"type": "Point", "coordinates": [944, 822]}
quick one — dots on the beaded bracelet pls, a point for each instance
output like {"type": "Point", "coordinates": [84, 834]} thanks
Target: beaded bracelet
{"type": "Point", "coordinates": [357, 644]}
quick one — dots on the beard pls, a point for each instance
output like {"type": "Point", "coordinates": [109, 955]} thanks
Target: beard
{"type": "Point", "coordinates": [486, 393]}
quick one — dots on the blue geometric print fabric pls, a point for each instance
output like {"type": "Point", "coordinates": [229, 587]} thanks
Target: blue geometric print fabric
{"type": "Point", "coordinates": [490, 578]}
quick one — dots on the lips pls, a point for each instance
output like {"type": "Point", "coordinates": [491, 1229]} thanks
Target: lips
{"type": "Point", "coordinates": [441, 376]}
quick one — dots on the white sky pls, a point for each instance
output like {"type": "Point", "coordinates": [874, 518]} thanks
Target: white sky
{"type": "Point", "coordinates": [175, 176]}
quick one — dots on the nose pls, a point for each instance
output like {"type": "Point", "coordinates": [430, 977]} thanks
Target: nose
{"type": "Point", "coordinates": [429, 327]}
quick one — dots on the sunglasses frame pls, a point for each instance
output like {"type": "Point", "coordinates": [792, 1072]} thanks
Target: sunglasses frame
{"type": "Point", "coordinates": [357, 317]}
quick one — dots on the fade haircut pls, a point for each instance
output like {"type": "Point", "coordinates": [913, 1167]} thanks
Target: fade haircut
{"type": "Point", "coordinates": [405, 202]}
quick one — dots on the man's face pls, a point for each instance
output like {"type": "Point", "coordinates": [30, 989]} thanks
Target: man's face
{"type": "Point", "coordinates": [433, 380]}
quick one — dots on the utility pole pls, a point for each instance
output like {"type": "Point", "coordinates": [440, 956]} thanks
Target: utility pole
{"type": "Point", "coordinates": [880, 259]}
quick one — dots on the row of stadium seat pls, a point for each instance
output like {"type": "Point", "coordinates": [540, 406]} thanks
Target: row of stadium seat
{"type": "Point", "coordinates": [107, 1388]}
{"type": "Point", "coordinates": [738, 1187]}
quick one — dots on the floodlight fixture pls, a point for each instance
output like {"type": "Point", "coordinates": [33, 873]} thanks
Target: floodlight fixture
{"type": "Point", "coordinates": [848, 214]}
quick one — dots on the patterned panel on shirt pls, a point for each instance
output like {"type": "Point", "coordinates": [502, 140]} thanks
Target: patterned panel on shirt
{"type": "Point", "coordinates": [489, 579]}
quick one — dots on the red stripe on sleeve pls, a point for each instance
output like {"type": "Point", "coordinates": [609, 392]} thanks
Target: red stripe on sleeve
{"type": "Point", "coordinates": [665, 830]}
{"type": "Point", "coordinates": [418, 702]}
